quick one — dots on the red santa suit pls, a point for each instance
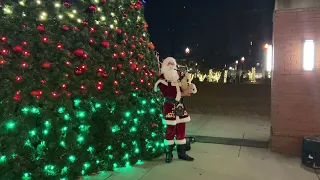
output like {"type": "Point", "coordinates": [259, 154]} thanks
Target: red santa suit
{"type": "Point", "coordinates": [175, 118]}
{"type": "Point", "coordinates": [176, 126]}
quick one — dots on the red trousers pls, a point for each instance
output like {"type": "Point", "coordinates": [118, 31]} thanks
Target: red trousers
{"type": "Point", "coordinates": [178, 131]}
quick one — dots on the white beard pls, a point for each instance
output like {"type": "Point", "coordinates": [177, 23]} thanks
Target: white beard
{"type": "Point", "coordinates": [170, 74]}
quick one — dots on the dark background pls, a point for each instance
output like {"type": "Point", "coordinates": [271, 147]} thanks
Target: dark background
{"type": "Point", "coordinates": [217, 31]}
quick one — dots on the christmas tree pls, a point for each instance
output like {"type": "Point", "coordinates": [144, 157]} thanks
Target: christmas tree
{"type": "Point", "coordinates": [76, 97]}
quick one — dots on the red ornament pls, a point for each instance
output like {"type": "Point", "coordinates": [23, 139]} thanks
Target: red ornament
{"type": "Point", "coordinates": [92, 30]}
{"type": "Point", "coordinates": [104, 74]}
{"type": "Point", "coordinates": [116, 46]}
{"type": "Point", "coordinates": [125, 15]}
{"type": "Point", "coordinates": [79, 52]}
{"type": "Point", "coordinates": [153, 125]}
{"type": "Point", "coordinates": [149, 84]}
{"type": "Point", "coordinates": [46, 65]}
{"type": "Point", "coordinates": [43, 81]}
{"type": "Point", "coordinates": [116, 83]}
{"type": "Point", "coordinates": [132, 83]}
{"type": "Point", "coordinates": [59, 46]}
{"type": "Point", "coordinates": [119, 66]}
{"type": "Point", "coordinates": [17, 97]}
{"type": "Point", "coordinates": [65, 28]}
{"type": "Point", "coordinates": [133, 66]}
{"type": "Point", "coordinates": [54, 94]}
{"type": "Point", "coordinates": [4, 39]}
{"type": "Point", "coordinates": [45, 39]}
{"type": "Point", "coordinates": [85, 23]}
{"type": "Point", "coordinates": [138, 5]}
{"type": "Point", "coordinates": [119, 30]}
{"type": "Point", "coordinates": [84, 67]}
{"type": "Point", "coordinates": [26, 53]}
{"type": "Point", "coordinates": [64, 86]}
{"type": "Point", "coordinates": [18, 78]}
{"type": "Point", "coordinates": [140, 56]}
{"type": "Point", "coordinates": [106, 32]}
{"type": "Point", "coordinates": [114, 55]}
{"type": "Point", "coordinates": [24, 65]}
{"type": "Point", "coordinates": [133, 46]}
{"type": "Point", "coordinates": [105, 44]}
{"type": "Point", "coordinates": [68, 63]}
{"type": "Point", "coordinates": [40, 28]}
{"type": "Point", "coordinates": [92, 8]}
{"type": "Point", "coordinates": [75, 28]}
{"type": "Point", "coordinates": [122, 73]}
{"type": "Point", "coordinates": [17, 49]}
{"type": "Point", "coordinates": [67, 4]}
{"type": "Point", "coordinates": [36, 93]}
{"type": "Point", "coordinates": [85, 55]}
{"type": "Point", "coordinates": [24, 43]}
{"type": "Point", "coordinates": [78, 71]}
{"type": "Point", "coordinates": [103, 1]}
{"type": "Point", "coordinates": [91, 41]}
{"type": "Point", "coordinates": [2, 61]}
{"type": "Point", "coordinates": [123, 54]}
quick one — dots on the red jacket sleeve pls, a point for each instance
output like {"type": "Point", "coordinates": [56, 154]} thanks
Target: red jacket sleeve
{"type": "Point", "coordinates": [162, 88]}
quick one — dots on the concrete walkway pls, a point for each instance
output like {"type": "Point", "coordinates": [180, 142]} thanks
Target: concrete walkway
{"type": "Point", "coordinates": [218, 162]}
{"type": "Point", "coordinates": [230, 130]}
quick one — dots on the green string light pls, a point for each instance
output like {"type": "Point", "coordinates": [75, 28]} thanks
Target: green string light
{"type": "Point", "coordinates": [70, 129]}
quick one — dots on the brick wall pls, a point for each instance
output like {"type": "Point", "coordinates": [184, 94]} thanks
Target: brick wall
{"type": "Point", "coordinates": [295, 99]}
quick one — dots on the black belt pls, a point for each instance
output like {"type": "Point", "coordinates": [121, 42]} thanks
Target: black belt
{"type": "Point", "coordinates": [173, 101]}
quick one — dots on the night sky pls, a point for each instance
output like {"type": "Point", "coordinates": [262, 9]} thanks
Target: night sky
{"type": "Point", "coordinates": [217, 31]}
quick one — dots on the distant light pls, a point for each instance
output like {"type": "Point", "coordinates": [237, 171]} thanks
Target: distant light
{"type": "Point", "coordinates": [308, 55]}
{"type": "Point", "coordinates": [237, 61]}
{"type": "Point", "coordinates": [266, 46]}
{"type": "Point", "coordinates": [187, 51]}
{"type": "Point", "coordinates": [242, 59]}
{"type": "Point", "coordinates": [269, 58]}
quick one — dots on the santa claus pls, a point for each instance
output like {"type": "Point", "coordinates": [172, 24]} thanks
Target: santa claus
{"type": "Point", "coordinates": [174, 110]}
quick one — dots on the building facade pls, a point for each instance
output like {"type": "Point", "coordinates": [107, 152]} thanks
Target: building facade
{"type": "Point", "coordinates": [295, 103]}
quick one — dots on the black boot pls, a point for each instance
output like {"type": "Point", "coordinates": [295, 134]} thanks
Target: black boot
{"type": "Point", "coordinates": [181, 149]}
{"type": "Point", "coordinates": [169, 154]}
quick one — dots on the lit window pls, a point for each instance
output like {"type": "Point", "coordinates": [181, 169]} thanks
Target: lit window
{"type": "Point", "coordinates": [308, 55]}
{"type": "Point", "coordinates": [269, 58]}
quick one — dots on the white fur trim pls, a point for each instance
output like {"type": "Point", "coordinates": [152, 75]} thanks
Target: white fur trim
{"type": "Point", "coordinates": [169, 142]}
{"type": "Point", "coordinates": [182, 141]}
{"type": "Point", "coordinates": [194, 89]}
{"type": "Point", "coordinates": [170, 122]}
{"type": "Point", "coordinates": [177, 121]}
{"type": "Point", "coordinates": [178, 96]}
{"type": "Point", "coordinates": [183, 120]}
{"type": "Point", "coordinates": [155, 88]}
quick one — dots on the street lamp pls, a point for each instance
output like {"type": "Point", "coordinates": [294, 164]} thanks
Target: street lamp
{"type": "Point", "coordinates": [242, 59]}
{"type": "Point", "coordinates": [187, 51]}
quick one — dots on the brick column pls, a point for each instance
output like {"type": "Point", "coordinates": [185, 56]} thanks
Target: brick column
{"type": "Point", "coordinates": [295, 100]}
